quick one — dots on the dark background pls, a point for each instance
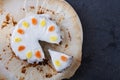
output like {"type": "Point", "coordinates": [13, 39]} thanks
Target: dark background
{"type": "Point", "coordinates": [101, 47]}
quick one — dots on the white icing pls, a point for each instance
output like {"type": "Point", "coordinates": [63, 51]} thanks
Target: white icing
{"type": "Point", "coordinates": [57, 56]}
{"type": "Point", "coordinates": [32, 35]}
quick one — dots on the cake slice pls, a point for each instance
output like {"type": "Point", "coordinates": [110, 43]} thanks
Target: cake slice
{"type": "Point", "coordinates": [60, 60]}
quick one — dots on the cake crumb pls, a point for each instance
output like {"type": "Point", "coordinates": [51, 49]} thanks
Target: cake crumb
{"type": "Point", "coordinates": [4, 50]}
{"type": "Point", "coordinates": [3, 25]}
{"type": "Point", "coordinates": [69, 36]}
{"type": "Point", "coordinates": [6, 21]}
{"type": "Point", "coordinates": [23, 70]}
{"type": "Point", "coordinates": [7, 17]}
{"type": "Point", "coordinates": [66, 46]}
{"type": "Point", "coordinates": [32, 7]}
{"type": "Point", "coordinates": [48, 75]}
{"type": "Point", "coordinates": [22, 78]}
{"type": "Point", "coordinates": [6, 68]}
{"type": "Point", "coordinates": [14, 22]}
{"type": "Point", "coordinates": [0, 58]}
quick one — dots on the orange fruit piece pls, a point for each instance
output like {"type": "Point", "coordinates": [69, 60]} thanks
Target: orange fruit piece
{"type": "Point", "coordinates": [21, 48]}
{"type": "Point", "coordinates": [38, 54]}
{"type": "Point", "coordinates": [34, 21]}
{"type": "Point", "coordinates": [51, 28]}
{"type": "Point", "coordinates": [64, 58]}
{"type": "Point", "coordinates": [20, 31]}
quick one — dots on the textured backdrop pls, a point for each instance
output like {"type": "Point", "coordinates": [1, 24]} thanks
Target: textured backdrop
{"type": "Point", "coordinates": [101, 48]}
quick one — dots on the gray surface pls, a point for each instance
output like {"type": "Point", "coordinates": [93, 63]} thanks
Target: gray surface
{"type": "Point", "coordinates": [101, 48]}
